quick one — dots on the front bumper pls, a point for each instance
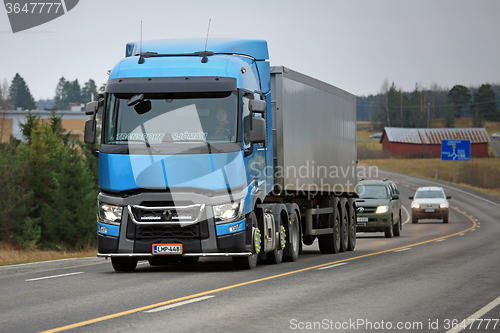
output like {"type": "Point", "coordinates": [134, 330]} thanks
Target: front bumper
{"type": "Point", "coordinates": [375, 222]}
{"type": "Point", "coordinates": [436, 213]}
{"type": "Point", "coordinates": [204, 238]}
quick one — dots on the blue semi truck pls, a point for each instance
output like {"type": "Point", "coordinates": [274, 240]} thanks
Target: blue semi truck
{"type": "Point", "coordinates": [205, 150]}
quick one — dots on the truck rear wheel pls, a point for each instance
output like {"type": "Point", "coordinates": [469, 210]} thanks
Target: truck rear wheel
{"type": "Point", "coordinates": [293, 239]}
{"type": "Point", "coordinates": [344, 228]}
{"type": "Point", "coordinates": [121, 264]}
{"type": "Point", "coordinates": [352, 226]}
{"type": "Point", "coordinates": [276, 255]}
{"type": "Point", "coordinates": [330, 243]}
{"type": "Point", "coordinates": [250, 262]}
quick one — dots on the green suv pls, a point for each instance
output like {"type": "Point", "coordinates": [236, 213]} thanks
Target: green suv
{"type": "Point", "coordinates": [379, 207]}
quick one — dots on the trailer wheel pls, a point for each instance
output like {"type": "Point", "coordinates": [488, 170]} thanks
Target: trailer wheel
{"type": "Point", "coordinates": [276, 255]}
{"type": "Point", "coordinates": [352, 227]}
{"type": "Point", "coordinates": [250, 262]}
{"type": "Point", "coordinates": [344, 229]}
{"type": "Point", "coordinates": [293, 239]}
{"type": "Point", "coordinates": [330, 243]}
{"type": "Point", "coordinates": [121, 264]}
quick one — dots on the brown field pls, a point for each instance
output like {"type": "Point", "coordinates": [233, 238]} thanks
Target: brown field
{"type": "Point", "coordinates": [480, 174]}
{"type": "Point", "coordinates": [10, 255]}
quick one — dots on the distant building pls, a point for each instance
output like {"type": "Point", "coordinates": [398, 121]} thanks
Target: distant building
{"type": "Point", "coordinates": [76, 107]}
{"type": "Point", "coordinates": [72, 121]}
{"type": "Point", "coordinates": [426, 142]}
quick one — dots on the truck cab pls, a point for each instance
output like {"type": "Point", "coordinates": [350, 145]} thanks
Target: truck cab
{"type": "Point", "coordinates": [175, 180]}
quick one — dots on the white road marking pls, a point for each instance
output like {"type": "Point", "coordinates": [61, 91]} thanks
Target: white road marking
{"type": "Point", "coordinates": [407, 214]}
{"type": "Point", "coordinates": [331, 266]}
{"type": "Point", "coordinates": [476, 315]}
{"type": "Point", "coordinates": [53, 276]}
{"type": "Point", "coordinates": [170, 306]}
{"type": "Point", "coordinates": [440, 240]}
{"type": "Point", "coordinates": [405, 249]}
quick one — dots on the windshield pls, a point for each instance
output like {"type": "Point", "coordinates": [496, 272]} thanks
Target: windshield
{"type": "Point", "coordinates": [429, 195]}
{"type": "Point", "coordinates": [373, 192]}
{"type": "Point", "coordinates": [164, 118]}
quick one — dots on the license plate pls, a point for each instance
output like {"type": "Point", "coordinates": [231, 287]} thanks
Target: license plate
{"type": "Point", "coordinates": [362, 219]}
{"type": "Point", "coordinates": [167, 248]}
{"type": "Point", "coordinates": [429, 210]}
{"type": "Point", "coordinates": [362, 224]}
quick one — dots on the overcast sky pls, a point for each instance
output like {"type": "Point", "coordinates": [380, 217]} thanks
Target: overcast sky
{"type": "Point", "coordinates": [352, 44]}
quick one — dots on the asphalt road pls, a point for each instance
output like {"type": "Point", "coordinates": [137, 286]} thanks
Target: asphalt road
{"type": "Point", "coordinates": [430, 279]}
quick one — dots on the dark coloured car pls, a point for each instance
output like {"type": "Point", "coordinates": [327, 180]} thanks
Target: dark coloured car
{"type": "Point", "coordinates": [379, 207]}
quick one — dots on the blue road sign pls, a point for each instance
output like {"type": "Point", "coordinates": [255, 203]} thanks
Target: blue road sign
{"type": "Point", "coordinates": [455, 150]}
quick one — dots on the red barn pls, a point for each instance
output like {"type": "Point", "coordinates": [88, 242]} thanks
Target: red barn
{"type": "Point", "coordinates": [426, 142]}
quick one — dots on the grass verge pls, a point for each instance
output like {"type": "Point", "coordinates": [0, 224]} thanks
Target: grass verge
{"type": "Point", "coordinates": [11, 255]}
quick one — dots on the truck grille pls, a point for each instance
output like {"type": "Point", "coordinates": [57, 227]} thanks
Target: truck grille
{"type": "Point", "coordinates": [153, 215]}
{"type": "Point", "coordinates": [167, 231]}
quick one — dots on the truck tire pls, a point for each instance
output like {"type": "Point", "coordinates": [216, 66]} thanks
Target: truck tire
{"type": "Point", "coordinates": [344, 227]}
{"type": "Point", "coordinates": [291, 252]}
{"type": "Point", "coordinates": [414, 219]}
{"type": "Point", "coordinates": [445, 218]}
{"type": "Point", "coordinates": [276, 255]}
{"type": "Point", "coordinates": [352, 226]}
{"type": "Point", "coordinates": [330, 243]}
{"type": "Point", "coordinates": [250, 262]}
{"type": "Point", "coordinates": [121, 264]}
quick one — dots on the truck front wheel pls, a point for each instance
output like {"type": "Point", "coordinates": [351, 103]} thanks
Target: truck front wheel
{"type": "Point", "coordinates": [250, 262]}
{"type": "Point", "coordinates": [121, 264]}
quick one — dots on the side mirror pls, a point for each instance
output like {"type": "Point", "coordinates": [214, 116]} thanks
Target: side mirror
{"type": "Point", "coordinates": [89, 135]}
{"type": "Point", "coordinates": [411, 198]}
{"type": "Point", "coordinates": [91, 108]}
{"type": "Point", "coordinates": [257, 105]}
{"type": "Point", "coordinates": [395, 197]}
{"type": "Point", "coordinates": [448, 197]}
{"type": "Point", "coordinates": [258, 131]}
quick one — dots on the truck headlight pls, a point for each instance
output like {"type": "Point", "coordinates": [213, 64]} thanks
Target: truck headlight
{"type": "Point", "coordinates": [415, 205]}
{"type": "Point", "coordinates": [109, 212]}
{"type": "Point", "coordinates": [443, 205]}
{"type": "Point", "coordinates": [229, 212]}
{"type": "Point", "coordinates": [382, 209]}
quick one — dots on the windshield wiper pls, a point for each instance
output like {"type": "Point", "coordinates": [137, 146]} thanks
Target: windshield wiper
{"type": "Point", "coordinates": [144, 55]}
{"type": "Point", "coordinates": [133, 140]}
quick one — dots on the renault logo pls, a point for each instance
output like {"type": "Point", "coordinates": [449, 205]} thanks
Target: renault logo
{"type": "Point", "coordinates": [167, 215]}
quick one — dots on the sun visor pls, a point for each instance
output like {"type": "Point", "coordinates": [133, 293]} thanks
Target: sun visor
{"type": "Point", "coordinates": [171, 84]}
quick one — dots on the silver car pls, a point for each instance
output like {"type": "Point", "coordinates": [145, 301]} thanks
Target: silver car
{"type": "Point", "coordinates": [430, 203]}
